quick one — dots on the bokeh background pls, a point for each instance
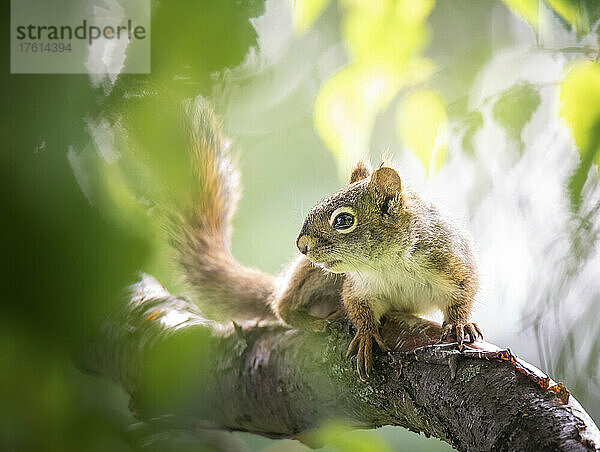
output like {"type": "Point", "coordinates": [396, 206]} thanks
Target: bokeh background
{"type": "Point", "coordinates": [490, 108]}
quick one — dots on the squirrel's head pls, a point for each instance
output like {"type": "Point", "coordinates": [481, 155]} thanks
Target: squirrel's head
{"type": "Point", "coordinates": [351, 230]}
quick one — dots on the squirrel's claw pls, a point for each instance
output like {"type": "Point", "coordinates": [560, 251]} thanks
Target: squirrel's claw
{"type": "Point", "coordinates": [364, 357]}
{"type": "Point", "coordinates": [363, 341]}
{"type": "Point", "coordinates": [473, 331]}
{"type": "Point", "coordinates": [459, 332]}
{"type": "Point", "coordinates": [352, 346]}
{"type": "Point", "coordinates": [446, 330]}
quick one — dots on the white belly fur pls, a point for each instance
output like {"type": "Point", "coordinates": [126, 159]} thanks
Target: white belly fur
{"type": "Point", "coordinates": [406, 286]}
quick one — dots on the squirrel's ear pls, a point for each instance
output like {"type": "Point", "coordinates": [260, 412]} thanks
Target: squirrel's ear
{"type": "Point", "coordinates": [386, 181]}
{"type": "Point", "coordinates": [360, 172]}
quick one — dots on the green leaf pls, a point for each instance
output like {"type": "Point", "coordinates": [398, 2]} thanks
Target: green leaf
{"type": "Point", "coordinates": [422, 123]}
{"type": "Point", "coordinates": [346, 107]}
{"type": "Point", "coordinates": [580, 104]}
{"type": "Point", "coordinates": [581, 14]}
{"type": "Point", "coordinates": [474, 122]}
{"type": "Point", "coordinates": [515, 107]}
{"type": "Point", "coordinates": [580, 109]}
{"type": "Point", "coordinates": [385, 38]}
{"type": "Point", "coordinates": [527, 9]}
{"type": "Point", "coordinates": [387, 30]}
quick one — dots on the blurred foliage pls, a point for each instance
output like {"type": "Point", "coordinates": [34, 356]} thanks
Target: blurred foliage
{"type": "Point", "coordinates": [582, 15]}
{"type": "Point", "coordinates": [67, 265]}
{"type": "Point", "coordinates": [306, 12]}
{"type": "Point", "coordinates": [85, 169]}
{"type": "Point", "coordinates": [385, 40]}
{"type": "Point", "coordinates": [340, 437]}
{"type": "Point", "coordinates": [580, 104]}
{"type": "Point", "coordinates": [527, 9]}
{"type": "Point", "coordinates": [170, 372]}
{"type": "Point", "coordinates": [181, 28]}
{"type": "Point", "coordinates": [580, 109]}
{"type": "Point", "coordinates": [74, 247]}
{"type": "Point", "coordinates": [514, 108]}
{"type": "Point", "coordinates": [473, 122]}
{"type": "Point", "coordinates": [422, 124]}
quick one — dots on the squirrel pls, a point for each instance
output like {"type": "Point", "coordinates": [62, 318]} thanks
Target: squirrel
{"type": "Point", "coordinates": [373, 247]}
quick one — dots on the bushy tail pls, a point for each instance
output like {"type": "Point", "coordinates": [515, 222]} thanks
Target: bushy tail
{"type": "Point", "coordinates": [226, 289]}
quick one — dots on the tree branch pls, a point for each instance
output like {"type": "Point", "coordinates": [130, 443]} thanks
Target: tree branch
{"type": "Point", "coordinates": [269, 380]}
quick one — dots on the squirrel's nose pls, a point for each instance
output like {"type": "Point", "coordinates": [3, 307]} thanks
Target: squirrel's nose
{"type": "Point", "coordinates": [302, 243]}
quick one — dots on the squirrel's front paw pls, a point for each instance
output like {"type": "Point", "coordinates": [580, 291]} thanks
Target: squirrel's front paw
{"type": "Point", "coordinates": [363, 340]}
{"type": "Point", "coordinates": [459, 331]}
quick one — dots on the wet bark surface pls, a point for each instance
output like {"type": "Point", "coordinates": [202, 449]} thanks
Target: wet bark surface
{"type": "Point", "coordinates": [270, 380]}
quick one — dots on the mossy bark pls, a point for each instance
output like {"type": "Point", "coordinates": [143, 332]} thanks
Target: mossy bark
{"type": "Point", "coordinates": [278, 382]}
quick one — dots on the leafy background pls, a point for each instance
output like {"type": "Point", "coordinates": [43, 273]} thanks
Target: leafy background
{"type": "Point", "coordinates": [490, 108]}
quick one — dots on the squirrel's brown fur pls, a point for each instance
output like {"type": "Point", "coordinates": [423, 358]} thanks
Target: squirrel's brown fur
{"type": "Point", "coordinates": [202, 233]}
{"type": "Point", "coordinates": [374, 247]}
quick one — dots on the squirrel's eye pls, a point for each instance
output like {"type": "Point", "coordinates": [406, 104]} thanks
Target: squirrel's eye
{"type": "Point", "coordinates": [343, 220]}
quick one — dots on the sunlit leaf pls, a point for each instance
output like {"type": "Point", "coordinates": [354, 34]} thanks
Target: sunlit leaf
{"type": "Point", "coordinates": [527, 9]}
{"type": "Point", "coordinates": [422, 123]}
{"type": "Point", "coordinates": [580, 104]}
{"type": "Point", "coordinates": [515, 107]}
{"type": "Point", "coordinates": [346, 107]}
{"type": "Point", "coordinates": [580, 109]}
{"type": "Point", "coordinates": [387, 30]}
{"type": "Point", "coordinates": [306, 12]}
{"type": "Point", "coordinates": [386, 39]}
